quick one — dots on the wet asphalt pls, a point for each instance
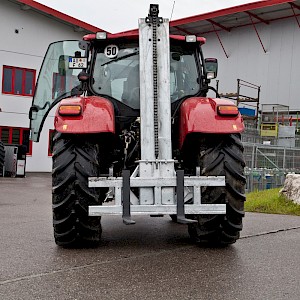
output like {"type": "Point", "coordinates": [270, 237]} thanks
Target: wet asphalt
{"type": "Point", "coordinates": [153, 259]}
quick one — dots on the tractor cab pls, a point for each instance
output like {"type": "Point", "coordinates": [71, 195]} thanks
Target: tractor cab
{"type": "Point", "coordinates": [107, 65]}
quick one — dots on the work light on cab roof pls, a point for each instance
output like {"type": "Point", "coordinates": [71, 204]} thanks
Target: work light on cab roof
{"type": "Point", "coordinates": [101, 36]}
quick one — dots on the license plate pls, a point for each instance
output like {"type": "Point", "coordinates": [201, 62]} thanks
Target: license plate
{"type": "Point", "coordinates": [77, 62]}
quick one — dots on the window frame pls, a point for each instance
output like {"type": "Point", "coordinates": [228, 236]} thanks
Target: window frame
{"type": "Point", "coordinates": [21, 131]}
{"type": "Point", "coordinates": [13, 79]}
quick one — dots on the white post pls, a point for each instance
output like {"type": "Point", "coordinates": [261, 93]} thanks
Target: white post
{"type": "Point", "coordinates": [155, 135]}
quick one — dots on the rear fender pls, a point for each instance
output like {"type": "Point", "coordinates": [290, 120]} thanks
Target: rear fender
{"type": "Point", "coordinates": [199, 114]}
{"type": "Point", "coordinates": [97, 115]}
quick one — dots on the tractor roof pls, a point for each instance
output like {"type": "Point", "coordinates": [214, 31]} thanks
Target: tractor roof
{"type": "Point", "coordinates": [135, 35]}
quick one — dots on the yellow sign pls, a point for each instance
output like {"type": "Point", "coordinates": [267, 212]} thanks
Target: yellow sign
{"type": "Point", "coordinates": [269, 129]}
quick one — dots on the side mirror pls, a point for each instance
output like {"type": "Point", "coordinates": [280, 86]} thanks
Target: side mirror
{"type": "Point", "coordinates": [211, 67]}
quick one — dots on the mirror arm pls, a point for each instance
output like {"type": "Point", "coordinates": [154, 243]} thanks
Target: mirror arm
{"type": "Point", "coordinates": [32, 109]}
{"type": "Point", "coordinates": [213, 89]}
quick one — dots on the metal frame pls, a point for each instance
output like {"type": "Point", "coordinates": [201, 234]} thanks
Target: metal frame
{"type": "Point", "coordinates": [194, 24]}
{"type": "Point", "coordinates": [161, 189]}
{"type": "Point", "coordinates": [253, 24]}
{"type": "Point", "coordinates": [220, 41]}
{"type": "Point", "coordinates": [156, 185]}
{"type": "Point", "coordinates": [242, 98]}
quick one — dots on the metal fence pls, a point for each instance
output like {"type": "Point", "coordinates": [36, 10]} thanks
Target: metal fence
{"type": "Point", "coordinates": [251, 135]}
{"type": "Point", "coordinates": [267, 165]}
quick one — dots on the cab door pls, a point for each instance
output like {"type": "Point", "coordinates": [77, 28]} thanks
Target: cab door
{"type": "Point", "coordinates": [57, 79]}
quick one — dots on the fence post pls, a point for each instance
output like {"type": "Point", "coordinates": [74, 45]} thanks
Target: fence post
{"type": "Point", "coordinates": [252, 168]}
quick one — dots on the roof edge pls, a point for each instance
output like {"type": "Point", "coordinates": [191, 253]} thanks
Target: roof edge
{"type": "Point", "coordinates": [221, 12]}
{"type": "Point", "coordinates": [59, 15]}
{"type": "Point", "coordinates": [228, 11]}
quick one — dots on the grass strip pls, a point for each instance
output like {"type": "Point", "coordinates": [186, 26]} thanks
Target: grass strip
{"type": "Point", "coordinates": [271, 202]}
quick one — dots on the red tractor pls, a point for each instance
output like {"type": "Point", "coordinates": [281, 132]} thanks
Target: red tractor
{"type": "Point", "coordinates": [137, 134]}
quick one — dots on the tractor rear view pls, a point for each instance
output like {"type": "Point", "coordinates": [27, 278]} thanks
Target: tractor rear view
{"type": "Point", "coordinates": [136, 134]}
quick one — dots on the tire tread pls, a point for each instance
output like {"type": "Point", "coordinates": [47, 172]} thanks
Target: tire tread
{"type": "Point", "coordinates": [75, 158]}
{"type": "Point", "coordinates": [221, 158]}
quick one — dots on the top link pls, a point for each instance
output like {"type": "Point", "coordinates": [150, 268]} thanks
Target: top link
{"type": "Point", "coordinates": [153, 15]}
{"type": "Point", "coordinates": [153, 11]}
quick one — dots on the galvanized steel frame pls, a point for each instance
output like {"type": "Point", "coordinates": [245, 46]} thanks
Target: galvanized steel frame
{"type": "Point", "coordinates": [155, 174]}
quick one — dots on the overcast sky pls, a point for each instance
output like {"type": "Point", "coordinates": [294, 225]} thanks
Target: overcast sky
{"type": "Point", "coordinates": [120, 15]}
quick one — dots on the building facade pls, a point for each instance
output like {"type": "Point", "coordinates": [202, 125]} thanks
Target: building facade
{"type": "Point", "coordinates": [274, 65]}
{"type": "Point", "coordinates": [26, 31]}
{"type": "Point", "coordinates": [265, 53]}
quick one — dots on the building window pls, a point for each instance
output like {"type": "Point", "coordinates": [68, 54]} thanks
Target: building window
{"type": "Point", "coordinates": [18, 81]}
{"type": "Point", "coordinates": [62, 83]}
{"type": "Point", "coordinates": [16, 135]}
{"type": "Point", "coordinates": [50, 141]}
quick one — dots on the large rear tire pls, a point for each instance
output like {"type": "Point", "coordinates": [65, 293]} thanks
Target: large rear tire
{"type": "Point", "coordinates": [221, 155]}
{"type": "Point", "coordinates": [75, 158]}
{"type": "Point", "coordinates": [2, 157]}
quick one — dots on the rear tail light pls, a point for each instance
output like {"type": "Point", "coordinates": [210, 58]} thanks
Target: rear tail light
{"type": "Point", "coordinates": [69, 110]}
{"type": "Point", "coordinates": [227, 110]}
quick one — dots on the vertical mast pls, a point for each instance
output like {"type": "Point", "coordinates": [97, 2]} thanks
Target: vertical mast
{"type": "Point", "coordinates": [156, 146]}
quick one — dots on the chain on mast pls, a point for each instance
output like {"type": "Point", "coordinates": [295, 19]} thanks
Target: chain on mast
{"type": "Point", "coordinates": [155, 21]}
